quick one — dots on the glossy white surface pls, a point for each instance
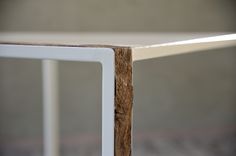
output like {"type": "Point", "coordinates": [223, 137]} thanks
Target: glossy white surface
{"type": "Point", "coordinates": [182, 47]}
{"type": "Point", "coordinates": [118, 39]}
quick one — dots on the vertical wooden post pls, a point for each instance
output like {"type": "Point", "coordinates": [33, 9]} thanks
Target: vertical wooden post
{"type": "Point", "coordinates": [123, 101]}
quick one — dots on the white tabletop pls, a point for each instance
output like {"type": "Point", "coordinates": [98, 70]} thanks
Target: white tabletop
{"type": "Point", "coordinates": [144, 45]}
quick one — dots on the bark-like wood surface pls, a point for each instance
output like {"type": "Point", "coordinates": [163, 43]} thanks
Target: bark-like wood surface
{"type": "Point", "coordinates": [123, 101]}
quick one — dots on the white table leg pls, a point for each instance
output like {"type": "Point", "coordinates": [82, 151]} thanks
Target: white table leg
{"type": "Point", "coordinates": [50, 94]}
{"type": "Point", "coordinates": [51, 108]}
{"type": "Point", "coordinates": [108, 87]}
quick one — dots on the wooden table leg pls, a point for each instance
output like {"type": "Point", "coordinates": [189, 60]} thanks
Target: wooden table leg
{"type": "Point", "coordinates": [123, 101]}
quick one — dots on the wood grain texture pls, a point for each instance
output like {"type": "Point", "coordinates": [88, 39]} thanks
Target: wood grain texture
{"type": "Point", "coordinates": [123, 101]}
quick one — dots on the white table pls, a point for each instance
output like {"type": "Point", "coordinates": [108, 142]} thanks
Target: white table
{"type": "Point", "coordinates": [116, 53]}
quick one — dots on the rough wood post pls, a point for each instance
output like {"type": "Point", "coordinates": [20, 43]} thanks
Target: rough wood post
{"type": "Point", "coordinates": [123, 101]}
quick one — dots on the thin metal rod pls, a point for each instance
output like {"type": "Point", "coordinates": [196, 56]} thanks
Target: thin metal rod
{"type": "Point", "coordinates": [51, 107]}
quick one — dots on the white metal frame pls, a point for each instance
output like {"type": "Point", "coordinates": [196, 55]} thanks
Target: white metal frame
{"type": "Point", "coordinates": [49, 54]}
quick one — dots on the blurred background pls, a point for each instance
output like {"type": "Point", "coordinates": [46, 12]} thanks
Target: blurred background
{"type": "Point", "coordinates": [183, 105]}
